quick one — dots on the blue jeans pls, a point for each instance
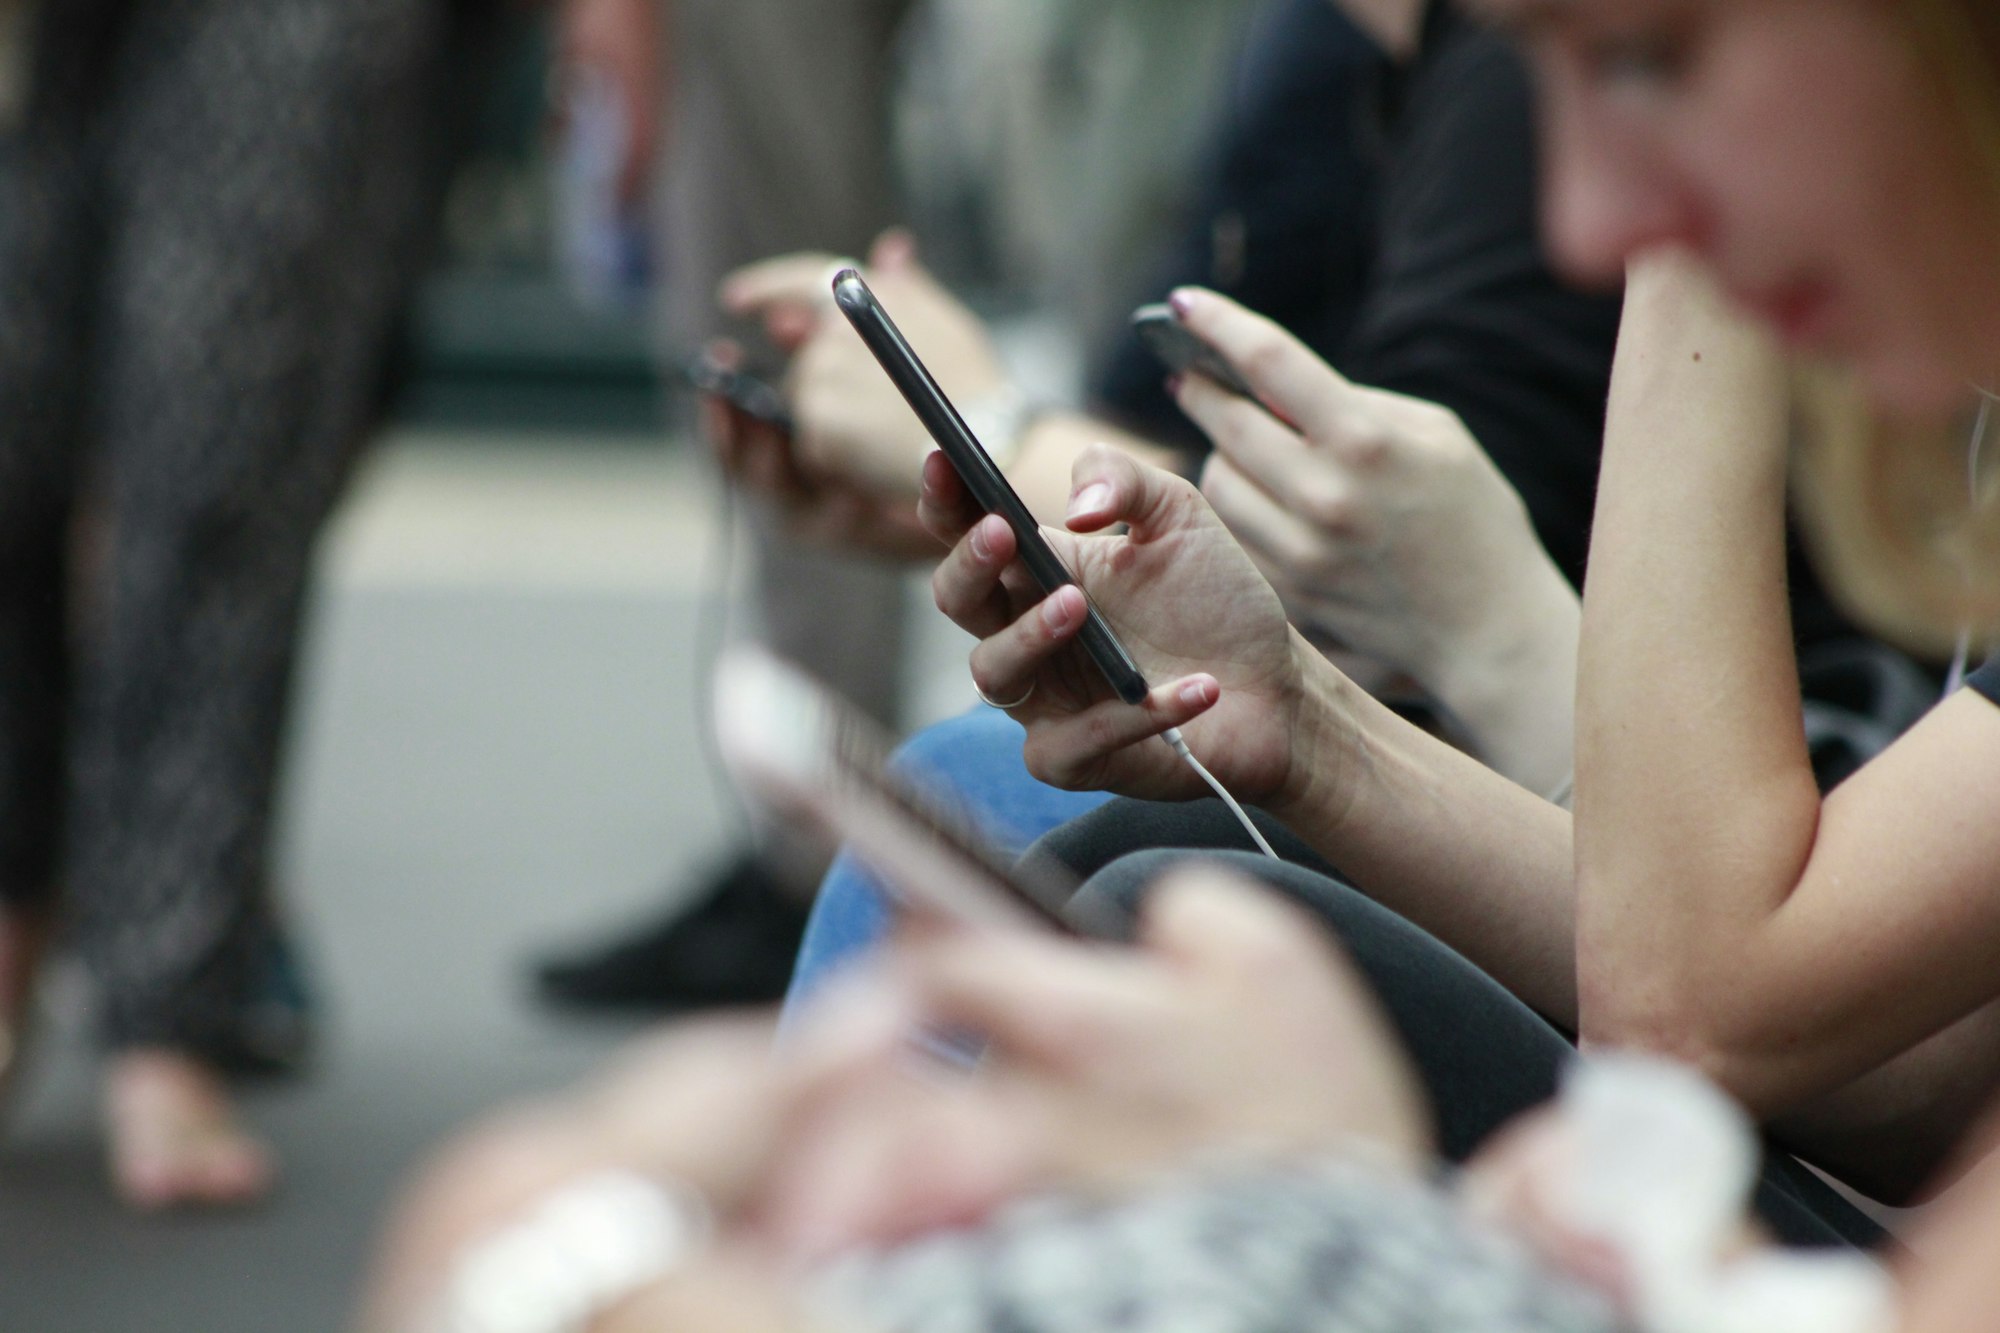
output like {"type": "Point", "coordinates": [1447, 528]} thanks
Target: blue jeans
{"type": "Point", "coordinates": [976, 760]}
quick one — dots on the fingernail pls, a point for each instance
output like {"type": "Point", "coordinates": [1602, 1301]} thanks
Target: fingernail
{"type": "Point", "coordinates": [1198, 693]}
{"type": "Point", "coordinates": [1059, 610]}
{"type": "Point", "coordinates": [980, 546]}
{"type": "Point", "coordinates": [1173, 386]}
{"type": "Point", "coordinates": [1181, 302]}
{"type": "Point", "coordinates": [1092, 499]}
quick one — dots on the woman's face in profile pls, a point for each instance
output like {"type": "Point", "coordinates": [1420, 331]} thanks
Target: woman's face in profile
{"type": "Point", "coordinates": [1799, 146]}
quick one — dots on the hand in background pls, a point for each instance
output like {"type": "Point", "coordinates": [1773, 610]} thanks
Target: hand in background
{"type": "Point", "coordinates": [1202, 624]}
{"type": "Point", "coordinates": [852, 423]}
{"type": "Point", "coordinates": [827, 511]}
{"type": "Point", "coordinates": [1383, 524]}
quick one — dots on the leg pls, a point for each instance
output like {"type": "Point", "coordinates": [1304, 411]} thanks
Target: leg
{"type": "Point", "coordinates": [780, 131]}
{"type": "Point", "coordinates": [841, 618]}
{"type": "Point", "coordinates": [48, 251]}
{"type": "Point", "coordinates": [1119, 827]}
{"type": "Point", "coordinates": [976, 758]}
{"type": "Point", "coordinates": [1484, 1056]}
{"type": "Point", "coordinates": [779, 141]}
{"type": "Point", "coordinates": [266, 191]}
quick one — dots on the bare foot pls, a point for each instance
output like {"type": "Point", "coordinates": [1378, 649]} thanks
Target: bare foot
{"type": "Point", "coordinates": [175, 1138]}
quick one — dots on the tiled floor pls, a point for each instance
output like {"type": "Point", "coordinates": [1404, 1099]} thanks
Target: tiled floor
{"type": "Point", "coordinates": [493, 755]}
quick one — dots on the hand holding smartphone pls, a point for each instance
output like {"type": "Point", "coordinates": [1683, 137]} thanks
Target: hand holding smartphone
{"type": "Point", "coordinates": [745, 392]}
{"type": "Point", "coordinates": [1181, 351]}
{"type": "Point", "coordinates": [982, 477]}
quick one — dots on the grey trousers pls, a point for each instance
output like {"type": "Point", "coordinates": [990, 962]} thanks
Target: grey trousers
{"type": "Point", "coordinates": [210, 214]}
{"type": "Point", "coordinates": [779, 140]}
{"type": "Point", "coordinates": [1483, 1055]}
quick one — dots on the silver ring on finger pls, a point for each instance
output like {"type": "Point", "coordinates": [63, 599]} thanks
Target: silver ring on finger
{"type": "Point", "coordinates": [991, 702]}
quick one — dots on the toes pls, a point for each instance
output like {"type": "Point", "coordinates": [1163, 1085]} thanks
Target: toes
{"type": "Point", "coordinates": [175, 1138]}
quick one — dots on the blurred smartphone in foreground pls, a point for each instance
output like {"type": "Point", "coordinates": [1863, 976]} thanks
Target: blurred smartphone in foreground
{"type": "Point", "coordinates": [807, 755]}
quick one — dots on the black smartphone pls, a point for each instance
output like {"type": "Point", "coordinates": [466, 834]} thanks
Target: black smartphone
{"type": "Point", "coordinates": [1183, 353]}
{"type": "Point", "coordinates": [816, 761]}
{"type": "Point", "coordinates": [976, 468]}
{"type": "Point", "coordinates": [1171, 341]}
{"type": "Point", "coordinates": [748, 394]}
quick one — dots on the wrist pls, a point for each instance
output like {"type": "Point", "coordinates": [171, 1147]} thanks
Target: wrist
{"type": "Point", "coordinates": [574, 1257]}
{"type": "Point", "coordinates": [1327, 750]}
{"type": "Point", "coordinates": [1000, 418]}
{"type": "Point", "coordinates": [1512, 687]}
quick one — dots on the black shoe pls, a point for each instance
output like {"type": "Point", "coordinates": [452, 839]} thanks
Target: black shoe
{"type": "Point", "coordinates": [737, 946]}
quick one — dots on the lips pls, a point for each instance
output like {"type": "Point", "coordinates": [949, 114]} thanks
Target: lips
{"type": "Point", "coordinates": [1800, 312]}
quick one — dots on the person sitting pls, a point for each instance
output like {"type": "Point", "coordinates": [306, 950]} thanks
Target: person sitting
{"type": "Point", "coordinates": [1422, 568]}
{"type": "Point", "coordinates": [1667, 130]}
{"type": "Point", "coordinates": [1877, 1089]}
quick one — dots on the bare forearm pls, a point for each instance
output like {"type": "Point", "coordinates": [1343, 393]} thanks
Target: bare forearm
{"type": "Point", "coordinates": [1515, 698]}
{"type": "Point", "coordinates": [1429, 831]}
{"type": "Point", "coordinates": [1788, 944]}
{"type": "Point", "coordinates": [1696, 806]}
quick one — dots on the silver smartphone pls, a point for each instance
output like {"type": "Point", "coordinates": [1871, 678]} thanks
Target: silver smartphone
{"type": "Point", "coordinates": [808, 755]}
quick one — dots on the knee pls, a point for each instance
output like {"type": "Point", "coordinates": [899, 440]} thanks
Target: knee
{"type": "Point", "coordinates": [1116, 895]}
{"type": "Point", "coordinates": [978, 737]}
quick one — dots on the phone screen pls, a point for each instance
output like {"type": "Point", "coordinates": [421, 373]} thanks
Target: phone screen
{"type": "Point", "coordinates": [982, 477]}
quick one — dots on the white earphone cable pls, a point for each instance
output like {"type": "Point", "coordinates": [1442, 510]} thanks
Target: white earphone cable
{"type": "Point", "coordinates": [1172, 736]}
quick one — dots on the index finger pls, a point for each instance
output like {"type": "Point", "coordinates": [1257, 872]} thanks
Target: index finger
{"type": "Point", "coordinates": [944, 505]}
{"type": "Point", "coordinates": [795, 279]}
{"type": "Point", "coordinates": [1266, 452]}
{"type": "Point", "coordinates": [1284, 372]}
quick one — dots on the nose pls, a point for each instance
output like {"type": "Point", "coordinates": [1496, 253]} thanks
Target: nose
{"type": "Point", "coordinates": [1608, 195]}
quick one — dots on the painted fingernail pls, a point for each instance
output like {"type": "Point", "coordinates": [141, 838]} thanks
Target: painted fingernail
{"type": "Point", "coordinates": [1092, 499]}
{"type": "Point", "coordinates": [1059, 611]}
{"type": "Point", "coordinates": [1181, 301]}
{"type": "Point", "coordinates": [1198, 693]}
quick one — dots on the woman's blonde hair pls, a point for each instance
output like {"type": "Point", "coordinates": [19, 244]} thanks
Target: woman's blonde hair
{"type": "Point", "coordinates": [1904, 522]}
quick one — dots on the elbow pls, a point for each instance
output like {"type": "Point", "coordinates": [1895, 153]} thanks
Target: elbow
{"type": "Point", "coordinates": [1656, 1023]}
{"type": "Point", "coordinates": [1675, 1018]}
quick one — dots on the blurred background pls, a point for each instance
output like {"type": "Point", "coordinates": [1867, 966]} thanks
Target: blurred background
{"type": "Point", "coordinates": [494, 730]}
